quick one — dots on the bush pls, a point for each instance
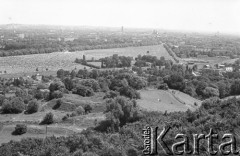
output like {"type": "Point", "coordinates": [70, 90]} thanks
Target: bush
{"type": "Point", "coordinates": [58, 104]}
{"type": "Point", "coordinates": [83, 91]}
{"type": "Point", "coordinates": [80, 110]}
{"type": "Point", "coordinates": [163, 86]}
{"type": "Point", "coordinates": [20, 129]}
{"type": "Point", "coordinates": [48, 119]}
{"type": "Point", "coordinates": [129, 92]}
{"type": "Point", "coordinates": [132, 152]}
{"type": "Point", "coordinates": [111, 94]}
{"type": "Point", "coordinates": [65, 118]}
{"type": "Point", "coordinates": [56, 94]}
{"type": "Point", "coordinates": [88, 108]}
{"type": "Point", "coordinates": [32, 107]}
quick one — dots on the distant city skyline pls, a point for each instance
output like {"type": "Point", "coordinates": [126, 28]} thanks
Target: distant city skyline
{"type": "Point", "coordinates": [187, 15]}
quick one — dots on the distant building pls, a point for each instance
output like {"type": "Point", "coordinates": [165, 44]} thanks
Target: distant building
{"type": "Point", "coordinates": [229, 69]}
{"type": "Point", "coordinates": [69, 39]}
{"type": "Point", "coordinates": [207, 66]}
{"type": "Point", "coordinates": [39, 77]}
{"type": "Point", "coordinates": [196, 73]}
{"type": "Point", "coordinates": [221, 66]}
{"type": "Point", "coordinates": [21, 36]}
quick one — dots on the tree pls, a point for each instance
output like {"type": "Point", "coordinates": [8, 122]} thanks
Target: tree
{"type": "Point", "coordinates": [235, 87]}
{"type": "Point", "coordinates": [83, 91]}
{"type": "Point", "coordinates": [56, 86]}
{"type": "Point", "coordinates": [200, 88]}
{"type": "Point", "coordinates": [90, 83]}
{"type": "Point", "coordinates": [129, 92]}
{"type": "Point", "coordinates": [68, 83]}
{"type": "Point", "coordinates": [55, 95]}
{"type": "Point", "coordinates": [73, 74]}
{"type": "Point", "coordinates": [48, 119]}
{"type": "Point", "coordinates": [175, 81]}
{"type": "Point", "coordinates": [210, 92]}
{"type": "Point", "coordinates": [80, 110]}
{"type": "Point", "coordinates": [32, 107]}
{"type": "Point", "coordinates": [2, 98]}
{"type": "Point", "coordinates": [61, 73]}
{"type": "Point", "coordinates": [224, 89]}
{"type": "Point", "coordinates": [20, 129]}
{"type": "Point", "coordinates": [111, 94]}
{"type": "Point", "coordinates": [15, 105]}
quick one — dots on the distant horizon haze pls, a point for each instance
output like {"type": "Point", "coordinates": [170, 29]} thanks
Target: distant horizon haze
{"type": "Point", "coordinates": [210, 16]}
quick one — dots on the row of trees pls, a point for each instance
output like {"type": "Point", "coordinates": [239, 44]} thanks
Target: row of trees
{"type": "Point", "coordinates": [40, 46]}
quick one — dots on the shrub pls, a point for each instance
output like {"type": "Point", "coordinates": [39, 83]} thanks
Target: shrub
{"type": "Point", "coordinates": [20, 129]}
{"type": "Point", "coordinates": [83, 91]}
{"type": "Point", "coordinates": [65, 118]}
{"type": "Point", "coordinates": [111, 94]}
{"type": "Point", "coordinates": [163, 86]}
{"type": "Point", "coordinates": [132, 152]}
{"type": "Point", "coordinates": [48, 119]}
{"type": "Point", "coordinates": [56, 94]}
{"type": "Point", "coordinates": [91, 83]}
{"type": "Point", "coordinates": [88, 108]}
{"type": "Point", "coordinates": [129, 92]}
{"type": "Point", "coordinates": [80, 110]}
{"type": "Point", "coordinates": [2, 98]}
{"type": "Point", "coordinates": [58, 104]}
{"type": "Point", "coordinates": [32, 107]}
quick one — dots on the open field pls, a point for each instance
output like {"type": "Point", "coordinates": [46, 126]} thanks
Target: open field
{"type": "Point", "coordinates": [169, 101]}
{"type": "Point", "coordinates": [27, 64]}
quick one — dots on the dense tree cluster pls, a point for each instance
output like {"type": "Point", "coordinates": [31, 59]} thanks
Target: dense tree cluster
{"type": "Point", "coordinates": [116, 61]}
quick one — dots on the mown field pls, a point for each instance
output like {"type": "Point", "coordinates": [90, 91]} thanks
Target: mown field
{"type": "Point", "coordinates": [53, 61]}
{"type": "Point", "coordinates": [170, 101]}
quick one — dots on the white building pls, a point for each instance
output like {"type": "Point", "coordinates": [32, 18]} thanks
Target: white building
{"type": "Point", "coordinates": [229, 69]}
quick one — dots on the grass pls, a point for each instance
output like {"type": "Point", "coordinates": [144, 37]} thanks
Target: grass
{"type": "Point", "coordinates": [160, 100]}
{"type": "Point", "coordinates": [60, 128]}
{"type": "Point", "coordinates": [27, 64]}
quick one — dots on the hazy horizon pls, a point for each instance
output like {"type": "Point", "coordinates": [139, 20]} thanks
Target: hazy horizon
{"type": "Point", "coordinates": [186, 15]}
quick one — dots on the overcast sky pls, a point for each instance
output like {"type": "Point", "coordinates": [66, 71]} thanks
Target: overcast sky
{"type": "Point", "coordinates": [196, 15]}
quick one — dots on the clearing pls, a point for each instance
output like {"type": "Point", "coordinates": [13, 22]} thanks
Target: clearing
{"type": "Point", "coordinates": [170, 100]}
